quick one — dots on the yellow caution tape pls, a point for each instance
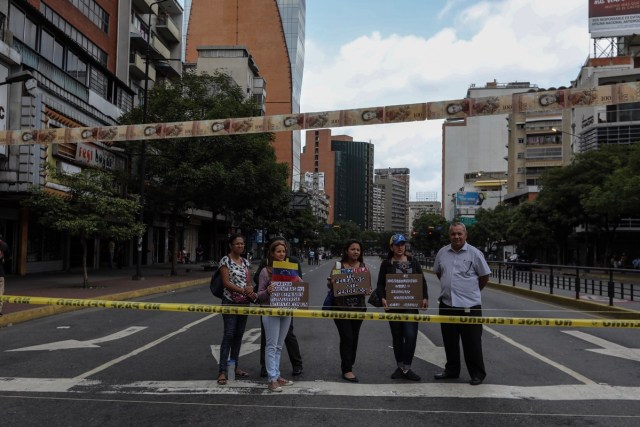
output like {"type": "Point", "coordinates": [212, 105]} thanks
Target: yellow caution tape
{"type": "Point", "coordinates": [322, 314]}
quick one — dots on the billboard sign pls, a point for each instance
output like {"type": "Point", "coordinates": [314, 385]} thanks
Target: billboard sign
{"type": "Point", "coordinates": [609, 18]}
{"type": "Point", "coordinates": [470, 198]}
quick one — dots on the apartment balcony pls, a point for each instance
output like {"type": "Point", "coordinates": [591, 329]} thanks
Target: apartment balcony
{"type": "Point", "coordinates": [159, 48]}
{"type": "Point", "coordinates": [143, 5]}
{"type": "Point", "coordinates": [171, 68]}
{"type": "Point", "coordinates": [167, 29]}
{"type": "Point", "coordinates": [137, 67]}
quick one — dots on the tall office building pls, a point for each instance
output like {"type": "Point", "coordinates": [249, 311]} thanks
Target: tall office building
{"type": "Point", "coordinates": [472, 147]}
{"type": "Point", "coordinates": [273, 31]}
{"type": "Point", "coordinates": [87, 63]}
{"type": "Point", "coordinates": [345, 167]}
{"type": "Point", "coordinates": [353, 197]}
{"type": "Point", "coordinates": [396, 198]}
{"type": "Point", "coordinates": [378, 215]}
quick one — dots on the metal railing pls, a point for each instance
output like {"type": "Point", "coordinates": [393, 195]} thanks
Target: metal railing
{"type": "Point", "coordinates": [611, 283]}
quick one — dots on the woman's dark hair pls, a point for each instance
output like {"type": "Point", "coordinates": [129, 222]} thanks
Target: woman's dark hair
{"type": "Point", "coordinates": [345, 250]}
{"type": "Point", "coordinates": [233, 237]}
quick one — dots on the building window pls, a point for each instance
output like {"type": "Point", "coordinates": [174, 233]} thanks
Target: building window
{"type": "Point", "coordinates": [76, 67]}
{"type": "Point", "coordinates": [23, 28]}
{"type": "Point", "coordinates": [98, 82]}
{"type": "Point", "coordinates": [544, 153]}
{"type": "Point", "coordinates": [94, 12]}
{"type": "Point", "coordinates": [43, 244]}
{"type": "Point", "coordinates": [97, 53]}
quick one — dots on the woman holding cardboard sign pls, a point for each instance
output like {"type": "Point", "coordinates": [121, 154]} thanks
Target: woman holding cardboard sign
{"type": "Point", "coordinates": [347, 283]}
{"type": "Point", "coordinates": [275, 327]}
{"type": "Point", "coordinates": [397, 297]}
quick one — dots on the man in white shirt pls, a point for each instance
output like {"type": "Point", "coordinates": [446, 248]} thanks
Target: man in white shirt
{"type": "Point", "coordinates": [463, 273]}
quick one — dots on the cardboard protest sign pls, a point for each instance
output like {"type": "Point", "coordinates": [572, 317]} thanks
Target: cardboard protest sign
{"type": "Point", "coordinates": [289, 295]}
{"type": "Point", "coordinates": [404, 290]}
{"type": "Point", "coordinates": [351, 281]}
{"type": "Point", "coordinates": [289, 289]}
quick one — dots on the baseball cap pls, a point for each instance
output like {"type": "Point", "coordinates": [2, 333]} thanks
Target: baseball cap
{"type": "Point", "coordinates": [397, 239]}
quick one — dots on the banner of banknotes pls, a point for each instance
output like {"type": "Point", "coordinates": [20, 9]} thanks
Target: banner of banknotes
{"type": "Point", "coordinates": [540, 101]}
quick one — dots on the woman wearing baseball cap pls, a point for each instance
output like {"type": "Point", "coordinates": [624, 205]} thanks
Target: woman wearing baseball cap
{"type": "Point", "coordinates": [404, 334]}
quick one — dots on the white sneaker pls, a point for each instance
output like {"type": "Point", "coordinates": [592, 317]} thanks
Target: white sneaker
{"type": "Point", "coordinates": [274, 386]}
{"type": "Point", "coordinates": [284, 382]}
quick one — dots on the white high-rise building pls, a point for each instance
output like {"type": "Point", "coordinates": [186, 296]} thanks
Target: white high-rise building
{"type": "Point", "coordinates": [475, 145]}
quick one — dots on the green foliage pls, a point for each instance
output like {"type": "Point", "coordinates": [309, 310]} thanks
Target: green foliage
{"type": "Point", "coordinates": [335, 236]}
{"type": "Point", "coordinates": [234, 174]}
{"type": "Point", "coordinates": [597, 190]}
{"type": "Point", "coordinates": [91, 206]}
{"type": "Point", "coordinates": [429, 233]}
{"type": "Point", "coordinates": [298, 223]}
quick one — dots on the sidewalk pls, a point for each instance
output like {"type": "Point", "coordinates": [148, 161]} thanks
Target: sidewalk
{"type": "Point", "coordinates": [109, 284]}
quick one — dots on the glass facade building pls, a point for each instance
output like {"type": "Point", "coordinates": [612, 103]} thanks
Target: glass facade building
{"type": "Point", "coordinates": [353, 200]}
{"type": "Point", "coordinates": [293, 14]}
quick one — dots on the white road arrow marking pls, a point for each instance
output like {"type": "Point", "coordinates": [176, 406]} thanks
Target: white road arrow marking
{"type": "Point", "coordinates": [429, 352]}
{"type": "Point", "coordinates": [247, 346]}
{"type": "Point", "coordinates": [608, 348]}
{"type": "Point", "coordinates": [71, 344]}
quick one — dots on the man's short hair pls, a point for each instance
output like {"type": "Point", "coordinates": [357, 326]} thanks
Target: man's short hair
{"type": "Point", "coordinates": [458, 224]}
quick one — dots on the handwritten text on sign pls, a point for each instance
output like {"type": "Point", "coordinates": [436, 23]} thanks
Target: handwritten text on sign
{"type": "Point", "coordinates": [348, 282]}
{"type": "Point", "coordinates": [404, 290]}
{"type": "Point", "coordinates": [290, 295]}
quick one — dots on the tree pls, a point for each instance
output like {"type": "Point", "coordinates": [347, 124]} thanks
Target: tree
{"type": "Point", "coordinates": [236, 175]}
{"type": "Point", "coordinates": [90, 207]}
{"type": "Point", "coordinates": [530, 229]}
{"type": "Point", "coordinates": [490, 228]}
{"type": "Point", "coordinates": [594, 191]}
{"type": "Point", "coordinates": [429, 233]}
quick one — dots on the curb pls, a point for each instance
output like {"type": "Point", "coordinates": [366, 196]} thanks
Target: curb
{"type": "Point", "coordinates": [600, 309]}
{"type": "Point", "coordinates": [39, 312]}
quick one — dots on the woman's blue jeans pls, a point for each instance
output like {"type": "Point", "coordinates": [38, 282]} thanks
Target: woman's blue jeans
{"type": "Point", "coordinates": [234, 326]}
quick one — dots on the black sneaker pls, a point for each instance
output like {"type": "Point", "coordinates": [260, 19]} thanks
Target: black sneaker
{"type": "Point", "coordinates": [410, 375]}
{"type": "Point", "coordinates": [397, 374]}
{"type": "Point", "coordinates": [297, 370]}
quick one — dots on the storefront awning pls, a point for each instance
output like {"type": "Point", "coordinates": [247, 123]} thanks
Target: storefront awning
{"type": "Point", "coordinates": [490, 183]}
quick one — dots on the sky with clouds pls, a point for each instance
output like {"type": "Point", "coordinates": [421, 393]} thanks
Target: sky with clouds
{"type": "Point", "coordinates": [362, 53]}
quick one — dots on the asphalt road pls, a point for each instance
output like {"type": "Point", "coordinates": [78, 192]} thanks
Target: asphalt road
{"type": "Point", "coordinates": [127, 367]}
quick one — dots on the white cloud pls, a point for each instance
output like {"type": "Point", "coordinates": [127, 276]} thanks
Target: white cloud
{"type": "Point", "coordinates": [541, 41]}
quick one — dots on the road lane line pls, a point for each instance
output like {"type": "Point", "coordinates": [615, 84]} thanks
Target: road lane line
{"type": "Point", "coordinates": [298, 408]}
{"type": "Point", "coordinates": [554, 393]}
{"type": "Point", "coordinates": [608, 348]}
{"type": "Point", "coordinates": [141, 349]}
{"type": "Point", "coordinates": [542, 358]}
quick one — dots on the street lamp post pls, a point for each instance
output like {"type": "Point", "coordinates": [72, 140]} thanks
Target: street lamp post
{"type": "Point", "coordinates": [143, 146]}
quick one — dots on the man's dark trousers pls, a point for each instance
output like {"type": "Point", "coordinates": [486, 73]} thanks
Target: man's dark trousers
{"type": "Point", "coordinates": [471, 336]}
